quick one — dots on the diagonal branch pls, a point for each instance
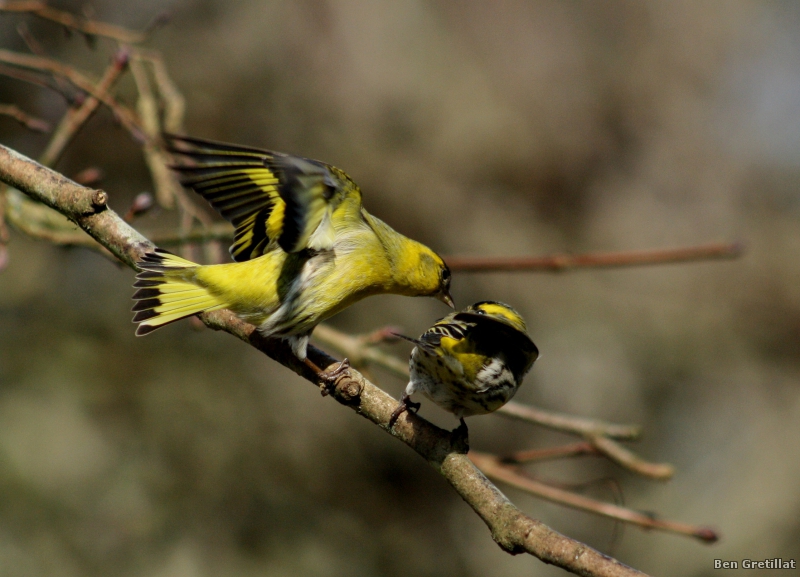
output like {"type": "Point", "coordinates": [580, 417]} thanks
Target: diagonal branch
{"type": "Point", "coordinates": [28, 121]}
{"type": "Point", "coordinates": [568, 423]}
{"type": "Point", "coordinates": [496, 469]}
{"type": "Point", "coordinates": [566, 262]}
{"type": "Point", "coordinates": [56, 68]}
{"type": "Point", "coordinates": [510, 528]}
{"type": "Point", "coordinates": [83, 25]}
{"type": "Point", "coordinates": [547, 263]}
{"type": "Point", "coordinates": [32, 217]}
{"type": "Point", "coordinates": [76, 117]}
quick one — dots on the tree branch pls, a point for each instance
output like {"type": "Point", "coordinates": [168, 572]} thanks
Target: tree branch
{"type": "Point", "coordinates": [28, 121]}
{"type": "Point", "coordinates": [39, 63]}
{"type": "Point", "coordinates": [83, 25]}
{"type": "Point", "coordinates": [510, 528]}
{"type": "Point", "coordinates": [547, 263]}
{"type": "Point", "coordinates": [565, 262]}
{"type": "Point", "coordinates": [497, 469]}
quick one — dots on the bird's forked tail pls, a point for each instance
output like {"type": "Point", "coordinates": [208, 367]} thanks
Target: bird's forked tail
{"type": "Point", "coordinates": [168, 291]}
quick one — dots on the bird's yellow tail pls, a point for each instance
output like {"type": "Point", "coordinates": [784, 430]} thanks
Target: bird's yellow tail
{"type": "Point", "coordinates": [168, 292]}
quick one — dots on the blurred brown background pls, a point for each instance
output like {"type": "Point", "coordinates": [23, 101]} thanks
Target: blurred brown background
{"type": "Point", "coordinates": [478, 128]}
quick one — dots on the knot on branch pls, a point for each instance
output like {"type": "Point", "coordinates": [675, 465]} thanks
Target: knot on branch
{"type": "Point", "coordinates": [99, 200]}
{"type": "Point", "coordinates": [346, 387]}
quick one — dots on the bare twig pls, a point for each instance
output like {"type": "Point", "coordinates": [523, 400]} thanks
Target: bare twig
{"type": "Point", "coordinates": [164, 181]}
{"type": "Point", "coordinates": [215, 231]}
{"type": "Point", "coordinates": [36, 78]}
{"type": "Point", "coordinates": [599, 434]}
{"type": "Point", "coordinates": [569, 423]}
{"type": "Point", "coordinates": [550, 263]}
{"type": "Point", "coordinates": [82, 25]}
{"type": "Point", "coordinates": [562, 452]}
{"type": "Point", "coordinates": [510, 528]}
{"type": "Point", "coordinates": [387, 334]}
{"type": "Point", "coordinates": [355, 350]}
{"type": "Point", "coordinates": [174, 102]}
{"type": "Point", "coordinates": [23, 118]}
{"type": "Point", "coordinates": [39, 63]}
{"type": "Point", "coordinates": [167, 188]}
{"type": "Point", "coordinates": [627, 459]}
{"type": "Point", "coordinates": [564, 262]}
{"type": "Point", "coordinates": [32, 217]}
{"type": "Point", "coordinates": [495, 468]}
{"type": "Point", "coordinates": [75, 118]}
{"type": "Point", "coordinates": [36, 47]}
{"type": "Point", "coordinates": [30, 40]}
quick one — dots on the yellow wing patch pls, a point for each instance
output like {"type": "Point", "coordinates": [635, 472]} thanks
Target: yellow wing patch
{"type": "Point", "coordinates": [273, 199]}
{"type": "Point", "coordinates": [242, 184]}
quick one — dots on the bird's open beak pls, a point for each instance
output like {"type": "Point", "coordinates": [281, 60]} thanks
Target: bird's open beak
{"type": "Point", "coordinates": [445, 297]}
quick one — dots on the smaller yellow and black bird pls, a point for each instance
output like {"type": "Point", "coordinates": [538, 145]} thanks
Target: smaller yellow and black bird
{"type": "Point", "coordinates": [470, 362]}
{"type": "Point", "coordinates": [304, 247]}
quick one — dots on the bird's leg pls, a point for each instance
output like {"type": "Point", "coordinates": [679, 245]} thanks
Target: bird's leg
{"type": "Point", "coordinates": [327, 378]}
{"type": "Point", "coordinates": [461, 434]}
{"type": "Point", "coordinates": [406, 404]}
{"type": "Point", "coordinates": [331, 375]}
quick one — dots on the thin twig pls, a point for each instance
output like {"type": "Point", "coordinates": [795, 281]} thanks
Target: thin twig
{"type": "Point", "coordinates": [155, 156]}
{"type": "Point", "coordinates": [549, 263]}
{"type": "Point", "coordinates": [569, 423]}
{"type": "Point", "coordinates": [35, 78]}
{"type": "Point", "coordinates": [387, 334]}
{"type": "Point", "coordinates": [174, 109]}
{"type": "Point", "coordinates": [565, 262]}
{"type": "Point", "coordinates": [355, 350]}
{"type": "Point", "coordinates": [627, 459]}
{"type": "Point", "coordinates": [36, 47]}
{"type": "Point", "coordinates": [511, 529]}
{"type": "Point", "coordinates": [75, 118]}
{"type": "Point", "coordinates": [32, 217]}
{"type": "Point", "coordinates": [174, 102]}
{"type": "Point", "coordinates": [562, 452]}
{"type": "Point", "coordinates": [167, 188]}
{"type": "Point", "coordinates": [494, 468]}
{"type": "Point", "coordinates": [601, 435]}
{"type": "Point", "coordinates": [215, 231]}
{"type": "Point", "coordinates": [82, 25]}
{"type": "Point", "coordinates": [39, 63]}
{"type": "Point", "coordinates": [28, 121]}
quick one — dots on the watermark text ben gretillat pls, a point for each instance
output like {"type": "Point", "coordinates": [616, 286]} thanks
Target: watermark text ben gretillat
{"type": "Point", "coordinates": [776, 563]}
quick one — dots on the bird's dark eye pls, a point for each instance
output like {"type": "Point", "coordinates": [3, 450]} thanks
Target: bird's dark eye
{"type": "Point", "coordinates": [446, 276]}
{"type": "Point", "coordinates": [480, 312]}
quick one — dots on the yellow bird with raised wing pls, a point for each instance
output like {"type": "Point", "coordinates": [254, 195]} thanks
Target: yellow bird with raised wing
{"type": "Point", "coordinates": [305, 248]}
